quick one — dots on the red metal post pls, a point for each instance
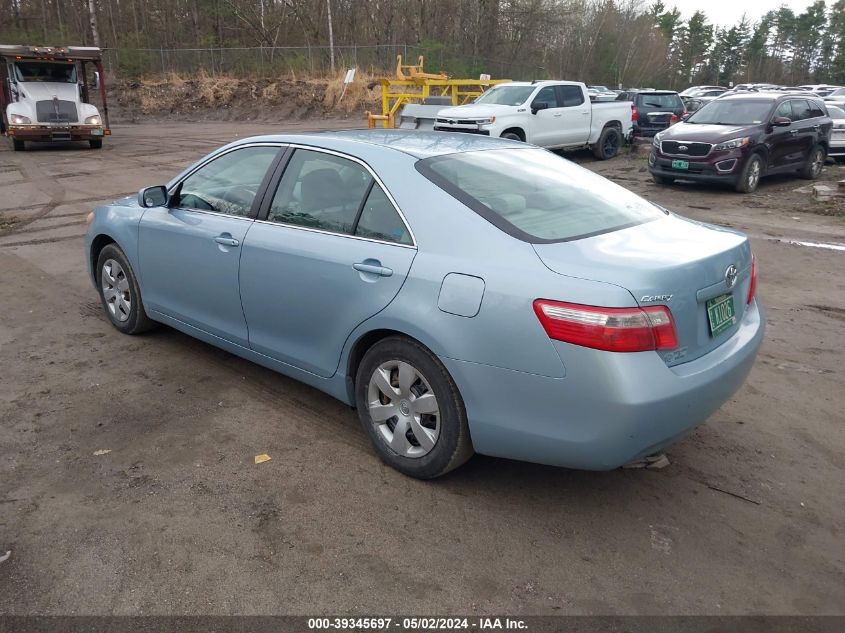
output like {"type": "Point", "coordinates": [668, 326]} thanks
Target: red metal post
{"type": "Point", "coordinates": [99, 66]}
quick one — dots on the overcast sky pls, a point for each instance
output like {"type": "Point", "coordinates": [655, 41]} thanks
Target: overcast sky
{"type": "Point", "coordinates": [729, 12]}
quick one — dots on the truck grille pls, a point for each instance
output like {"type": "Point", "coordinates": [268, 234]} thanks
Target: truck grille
{"type": "Point", "coordinates": [56, 111]}
{"type": "Point", "coordinates": [681, 148]}
{"type": "Point", "coordinates": [456, 121]}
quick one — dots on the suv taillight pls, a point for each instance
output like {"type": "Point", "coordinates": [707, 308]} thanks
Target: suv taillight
{"type": "Point", "coordinates": [633, 112]}
{"type": "Point", "coordinates": [673, 119]}
{"type": "Point", "coordinates": [752, 289]}
{"type": "Point", "coordinates": [609, 329]}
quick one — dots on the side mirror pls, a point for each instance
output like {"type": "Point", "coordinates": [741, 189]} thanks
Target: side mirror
{"type": "Point", "coordinates": [781, 121]}
{"type": "Point", "coordinates": [95, 81]}
{"type": "Point", "coordinates": [539, 105]}
{"type": "Point", "coordinates": [153, 197]}
{"type": "Point", "coordinates": [685, 116]}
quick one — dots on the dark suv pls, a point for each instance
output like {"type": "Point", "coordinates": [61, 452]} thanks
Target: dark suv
{"type": "Point", "coordinates": [737, 139]}
{"type": "Point", "coordinates": [653, 110]}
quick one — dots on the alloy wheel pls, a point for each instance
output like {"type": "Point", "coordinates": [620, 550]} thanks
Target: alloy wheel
{"type": "Point", "coordinates": [754, 174]}
{"type": "Point", "coordinates": [116, 292]}
{"type": "Point", "coordinates": [403, 408]}
{"type": "Point", "coordinates": [818, 162]}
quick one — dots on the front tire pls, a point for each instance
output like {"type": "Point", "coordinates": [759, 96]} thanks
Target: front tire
{"type": "Point", "coordinates": [749, 177]}
{"type": "Point", "coordinates": [96, 143]}
{"type": "Point", "coordinates": [662, 180]}
{"type": "Point", "coordinates": [119, 292]}
{"type": "Point", "coordinates": [513, 136]}
{"type": "Point", "coordinates": [411, 409]}
{"type": "Point", "coordinates": [815, 161]}
{"type": "Point", "coordinates": [608, 144]}
{"type": "Point", "coordinates": [18, 145]}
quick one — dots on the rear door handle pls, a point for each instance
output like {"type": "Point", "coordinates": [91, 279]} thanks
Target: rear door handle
{"type": "Point", "coordinates": [226, 240]}
{"type": "Point", "coordinates": [381, 271]}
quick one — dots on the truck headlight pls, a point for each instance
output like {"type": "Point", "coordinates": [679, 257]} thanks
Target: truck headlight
{"type": "Point", "coordinates": [93, 120]}
{"type": "Point", "coordinates": [487, 121]}
{"type": "Point", "coordinates": [19, 119]}
{"type": "Point", "coordinates": [732, 144]}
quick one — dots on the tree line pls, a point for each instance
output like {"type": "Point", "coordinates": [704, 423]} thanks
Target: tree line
{"type": "Point", "coordinates": [611, 42]}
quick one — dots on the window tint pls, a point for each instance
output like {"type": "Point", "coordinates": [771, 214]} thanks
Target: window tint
{"type": "Point", "coordinates": [570, 96]}
{"type": "Point", "coordinates": [815, 109]}
{"type": "Point", "coordinates": [664, 101]}
{"type": "Point", "coordinates": [227, 184]}
{"type": "Point", "coordinates": [380, 221]}
{"type": "Point", "coordinates": [321, 191]}
{"type": "Point", "coordinates": [535, 195]}
{"type": "Point", "coordinates": [801, 109]}
{"type": "Point", "coordinates": [785, 109]}
{"type": "Point", "coordinates": [546, 95]}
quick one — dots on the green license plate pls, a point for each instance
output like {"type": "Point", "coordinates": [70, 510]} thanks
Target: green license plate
{"type": "Point", "coordinates": [721, 313]}
{"type": "Point", "coordinates": [680, 164]}
{"type": "Point", "coordinates": [96, 132]}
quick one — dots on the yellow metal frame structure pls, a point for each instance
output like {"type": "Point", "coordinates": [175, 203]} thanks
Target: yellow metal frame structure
{"type": "Point", "coordinates": [413, 85]}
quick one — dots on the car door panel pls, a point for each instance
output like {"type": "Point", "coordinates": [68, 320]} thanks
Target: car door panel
{"type": "Point", "coordinates": [189, 253]}
{"type": "Point", "coordinates": [189, 267]}
{"type": "Point", "coordinates": [575, 116]}
{"type": "Point", "coordinates": [304, 291]}
{"type": "Point", "coordinates": [545, 124]}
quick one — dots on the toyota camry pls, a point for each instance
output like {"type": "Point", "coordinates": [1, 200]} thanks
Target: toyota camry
{"type": "Point", "coordinates": [464, 294]}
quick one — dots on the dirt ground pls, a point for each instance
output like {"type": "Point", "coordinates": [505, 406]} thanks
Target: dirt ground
{"type": "Point", "coordinates": [177, 518]}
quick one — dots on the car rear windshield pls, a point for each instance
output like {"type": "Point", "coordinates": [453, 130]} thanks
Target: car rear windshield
{"type": "Point", "coordinates": [506, 95]}
{"type": "Point", "coordinates": [537, 196]}
{"type": "Point", "coordinates": [660, 100]}
{"type": "Point", "coordinates": [733, 112]}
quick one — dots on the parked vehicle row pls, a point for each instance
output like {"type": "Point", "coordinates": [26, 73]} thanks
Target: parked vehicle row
{"type": "Point", "coordinates": [653, 110]}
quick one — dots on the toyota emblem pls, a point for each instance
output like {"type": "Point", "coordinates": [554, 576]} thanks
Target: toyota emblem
{"type": "Point", "coordinates": [730, 275]}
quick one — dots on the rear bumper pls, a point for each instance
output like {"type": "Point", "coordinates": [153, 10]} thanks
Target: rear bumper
{"type": "Point", "coordinates": [609, 409]}
{"type": "Point", "coordinates": [50, 134]}
{"type": "Point", "coordinates": [837, 148]}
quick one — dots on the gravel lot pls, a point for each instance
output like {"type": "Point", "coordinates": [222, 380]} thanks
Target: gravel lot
{"type": "Point", "coordinates": [177, 518]}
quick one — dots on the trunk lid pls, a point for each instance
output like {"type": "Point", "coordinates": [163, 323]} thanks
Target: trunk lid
{"type": "Point", "coordinates": [673, 261]}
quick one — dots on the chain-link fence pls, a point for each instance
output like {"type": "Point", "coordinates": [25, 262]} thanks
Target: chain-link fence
{"type": "Point", "coordinates": [258, 61]}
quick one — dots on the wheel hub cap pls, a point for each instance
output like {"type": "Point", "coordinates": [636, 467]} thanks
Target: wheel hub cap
{"type": "Point", "coordinates": [115, 287]}
{"type": "Point", "coordinates": [403, 409]}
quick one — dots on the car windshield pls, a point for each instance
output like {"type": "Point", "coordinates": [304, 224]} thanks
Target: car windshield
{"type": "Point", "coordinates": [660, 100]}
{"type": "Point", "coordinates": [506, 95]}
{"type": "Point", "coordinates": [733, 112]}
{"type": "Point", "coordinates": [537, 196]}
{"type": "Point", "coordinates": [835, 113]}
{"type": "Point", "coordinates": [47, 72]}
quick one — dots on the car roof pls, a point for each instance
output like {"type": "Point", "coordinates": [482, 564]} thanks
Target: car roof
{"type": "Point", "coordinates": [768, 96]}
{"type": "Point", "coordinates": [419, 144]}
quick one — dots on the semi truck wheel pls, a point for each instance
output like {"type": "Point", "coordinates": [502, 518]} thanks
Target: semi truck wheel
{"type": "Point", "coordinates": [96, 143]}
{"type": "Point", "coordinates": [18, 145]}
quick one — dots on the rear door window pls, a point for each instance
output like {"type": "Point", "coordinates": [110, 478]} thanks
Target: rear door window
{"type": "Point", "coordinates": [570, 96]}
{"type": "Point", "coordinates": [815, 109]}
{"type": "Point", "coordinates": [801, 109]}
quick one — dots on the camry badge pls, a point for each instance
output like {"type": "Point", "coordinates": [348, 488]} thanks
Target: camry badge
{"type": "Point", "coordinates": [653, 298]}
{"type": "Point", "coordinates": [730, 275]}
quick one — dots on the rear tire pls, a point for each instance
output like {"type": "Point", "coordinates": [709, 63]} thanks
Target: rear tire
{"type": "Point", "coordinates": [815, 161]}
{"type": "Point", "coordinates": [749, 177]}
{"type": "Point", "coordinates": [662, 180]}
{"type": "Point", "coordinates": [119, 292]}
{"type": "Point", "coordinates": [18, 145]}
{"type": "Point", "coordinates": [420, 438]}
{"type": "Point", "coordinates": [608, 144]}
{"type": "Point", "coordinates": [96, 143]}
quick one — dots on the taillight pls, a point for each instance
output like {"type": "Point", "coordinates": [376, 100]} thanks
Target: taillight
{"type": "Point", "coordinates": [752, 289]}
{"type": "Point", "coordinates": [673, 119]}
{"type": "Point", "coordinates": [633, 112]}
{"type": "Point", "coordinates": [609, 329]}
{"type": "Point", "coordinates": [684, 113]}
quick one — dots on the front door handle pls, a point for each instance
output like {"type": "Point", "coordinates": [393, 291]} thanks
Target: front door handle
{"type": "Point", "coordinates": [227, 240]}
{"type": "Point", "coordinates": [793, 131]}
{"type": "Point", "coordinates": [373, 269]}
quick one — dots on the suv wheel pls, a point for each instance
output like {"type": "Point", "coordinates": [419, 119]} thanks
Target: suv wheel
{"type": "Point", "coordinates": [815, 161]}
{"type": "Point", "coordinates": [750, 176]}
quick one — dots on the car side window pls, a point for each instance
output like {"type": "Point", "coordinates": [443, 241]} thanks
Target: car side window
{"type": "Point", "coordinates": [380, 221]}
{"type": "Point", "coordinates": [801, 109]}
{"type": "Point", "coordinates": [570, 96]}
{"type": "Point", "coordinates": [227, 184]}
{"type": "Point", "coordinates": [785, 109]}
{"type": "Point", "coordinates": [546, 95]}
{"type": "Point", "coordinates": [815, 110]}
{"type": "Point", "coordinates": [321, 191]}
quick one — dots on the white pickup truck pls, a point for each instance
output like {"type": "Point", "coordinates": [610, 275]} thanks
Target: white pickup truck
{"type": "Point", "coordinates": [552, 114]}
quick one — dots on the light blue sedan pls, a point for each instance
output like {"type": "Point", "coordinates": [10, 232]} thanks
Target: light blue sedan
{"type": "Point", "coordinates": [465, 294]}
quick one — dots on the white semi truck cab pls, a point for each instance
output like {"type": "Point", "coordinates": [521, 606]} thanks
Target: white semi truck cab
{"type": "Point", "coordinates": [45, 95]}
